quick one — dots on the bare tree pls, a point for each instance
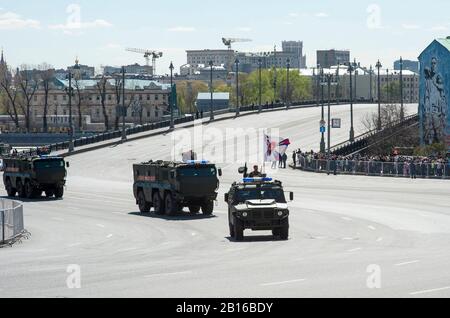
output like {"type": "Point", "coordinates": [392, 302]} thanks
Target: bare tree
{"type": "Point", "coordinates": [8, 84]}
{"type": "Point", "coordinates": [80, 95]}
{"type": "Point", "coordinates": [102, 90]}
{"type": "Point", "coordinates": [46, 76]}
{"type": "Point", "coordinates": [28, 84]}
{"type": "Point", "coordinates": [118, 94]}
{"type": "Point", "coordinates": [390, 116]}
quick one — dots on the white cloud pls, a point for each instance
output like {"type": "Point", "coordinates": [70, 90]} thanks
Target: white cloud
{"type": "Point", "coordinates": [77, 26]}
{"type": "Point", "coordinates": [411, 26]}
{"type": "Point", "coordinates": [181, 29]}
{"type": "Point", "coordinates": [294, 15]}
{"type": "Point", "coordinates": [244, 29]}
{"type": "Point", "coordinates": [322, 15]}
{"type": "Point", "coordinates": [13, 21]}
{"type": "Point", "coordinates": [439, 28]}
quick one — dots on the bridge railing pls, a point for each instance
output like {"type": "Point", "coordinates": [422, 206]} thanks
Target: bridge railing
{"type": "Point", "coordinates": [11, 221]}
{"type": "Point", "coordinates": [433, 170]}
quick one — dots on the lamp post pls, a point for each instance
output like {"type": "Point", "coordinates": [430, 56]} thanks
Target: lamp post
{"type": "Point", "coordinates": [329, 82]}
{"type": "Point", "coordinates": [260, 83]}
{"type": "Point", "coordinates": [71, 145]}
{"type": "Point", "coordinates": [355, 68]}
{"type": "Point", "coordinates": [402, 109]}
{"type": "Point", "coordinates": [371, 83]}
{"type": "Point", "coordinates": [124, 108]}
{"type": "Point", "coordinates": [237, 87]}
{"type": "Point", "coordinates": [379, 66]}
{"type": "Point", "coordinates": [352, 130]}
{"type": "Point", "coordinates": [322, 122]}
{"type": "Point", "coordinates": [388, 85]}
{"type": "Point", "coordinates": [172, 124]}
{"type": "Point", "coordinates": [337, 82]}
{"type": "Point", "coordinates": [211, 88]}
{"type": "Point", "coordinates": [288, 89]}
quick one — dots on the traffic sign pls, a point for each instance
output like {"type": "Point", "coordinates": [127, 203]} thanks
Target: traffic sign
{"type": "Point", "coordinates": [323, 123]}
{"type": "Point", "coordinates": [336, 122]}
{"type": "Point", "coordinates": [323, 130]}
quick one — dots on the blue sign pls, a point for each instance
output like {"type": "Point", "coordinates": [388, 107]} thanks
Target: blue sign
{"type": "Point", "coordinates": [323, 130]}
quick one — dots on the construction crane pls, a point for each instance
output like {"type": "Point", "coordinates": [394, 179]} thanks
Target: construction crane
{"type": "Point", "coordinates": [228, 42]}
{"type": "Point", "coordinates": [154, 55]}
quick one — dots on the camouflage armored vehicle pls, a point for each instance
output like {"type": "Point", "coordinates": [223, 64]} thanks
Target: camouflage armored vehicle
{"type": "Point", "coordinates": [29, 176]}
{"type": "Point", "coordinates": [168, 187]}
{"type": "Point", "coordinates": [258, 204]}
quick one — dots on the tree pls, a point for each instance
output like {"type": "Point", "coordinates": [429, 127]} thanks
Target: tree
{"type": "Point", "coordinates": [118, 95]}
{"type": "Point", "coordinates": [28, 83]}
{"type": "Point", "coordinates": [187, 92]}
{"type": "Point", "coordinates": [81, 95]}
{"type": "Point", "coordinates": [10, 87]}
{"type": "Point", "coordinates": [102, 90]}
{"type": "Point", "coordinates": [46, 77]}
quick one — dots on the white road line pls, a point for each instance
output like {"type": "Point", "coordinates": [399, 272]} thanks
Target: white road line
{"type": "Point", "coordinates": [127, 250]}
{"type": "Point", "coordinates": [74, 245]}
{"type": "Point", "coordinates": [346, 219]}
{"type": "Point", "coordinates": [355, 250]}
{"type": "Point", "coordinates": [429, 291]}
{"type": "Point", "coordinates": [379, 239]}
{"type": "Point", "coordinates": [168, 274]}
{"type": "Point", "coordinates": [372, 228]}
{"type": "Point", "coordinates": [348, 239]}
{"type": "Point", "coordinates": [407, 263]}
{"type": "Point", "coordinates": [109, 236]}
{"type": "Point", "coordinates": [284, 283]}
{"type": "Point", "coordinates": [101, 225]}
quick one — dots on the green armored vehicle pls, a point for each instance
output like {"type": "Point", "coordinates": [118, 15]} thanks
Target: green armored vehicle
{"type": "Point", "coordinates": [29, 176]}
{"type": "Point", "coordinates": [258, 204]}
{"type": "Point", "coordinates": [168, 187]}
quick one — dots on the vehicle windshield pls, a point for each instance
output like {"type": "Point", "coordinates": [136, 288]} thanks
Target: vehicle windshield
{"type": "Point", "coordinates": [263, 192]}
{"type": "Point", "coordinates": [49, 164]}
{"type": "Point", "coordinates": [197, 172]}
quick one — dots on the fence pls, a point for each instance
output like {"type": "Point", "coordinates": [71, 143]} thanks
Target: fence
{"type": "Point", "coordinates": [11, 221]}
{"type": "Point", "coordinates": [437, 170]}
{"type": "Point", "coordinates": [166, 124]}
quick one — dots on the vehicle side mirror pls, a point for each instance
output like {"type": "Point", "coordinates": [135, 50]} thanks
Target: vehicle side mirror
{"type": "Point", "coordinates": [227, 197]}
{"type": "Point", "coordinates": [241, 170]}
{"type": "Point", "coordinates": [291, 196]}
{"type": "Point", "coordinates": [67, 164]}
{"type": "Point", "coordinates": [220, 172]}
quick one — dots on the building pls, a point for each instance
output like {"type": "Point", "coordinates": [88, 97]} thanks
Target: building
{"type": "Point", "coordinates": [147, 101]}
{"type": "Point", "coordinates": [135, 69]}
{"type": "Point", "coordinates": [434, 92]}
{"type": "Point", "coordinates": [408, 65]}
{"type": "Point", "coordinates": [220, 101]}
{"type": "Point", "coordinates": [203, 57]}
{"type": "Point", "coordinates": [203, 72]}
{"type": "Point", "coordinates": [296, 48]}
{"type": "Point", "coordinates": [329, 58]}
{"type": "Point", "coordinates": [86, 72]}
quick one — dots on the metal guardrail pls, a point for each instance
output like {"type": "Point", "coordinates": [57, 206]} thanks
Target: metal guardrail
{"type": "Point", "coordinates": [166, 124]}
{"type": "Point", "coordinates": [433, 170]}
{"type": "Point", "coordinates": [11, 221]}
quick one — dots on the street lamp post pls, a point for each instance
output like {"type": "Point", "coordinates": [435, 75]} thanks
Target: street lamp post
{"type": "Point", "coordinates": [237, 87]}
{"type": "Point", "coordinates": [402, 109]}
{"type": "Point", "coordinates": [337, 82]}
{"type": "Point", "coordinates": [322, 139]}
{"type": "Point", "coordinates": [352, 130]}
{"type": "Point", "coordinates": [211, 88]}
{"type": "Point", "coordinates": [260, 83]}
{"type": "Point", "coordinates": [329, 81]}
{"type": "Point", "coordinates": [355, 68]}
{"type": "Point", "coordinates": [71, 145]}
{"type": "Point", "coordinates": [388, 85]}
{"type": "Point", "coordinates": [371, 83]}
{"type": "Point", "coordinates": [379, 66]}
{"type": "Point", "coordinates": [288, 88]}
{"type": "Point", "coordinates": [172, 124]}
{"type": "Point", "coordinates": [124, 109]}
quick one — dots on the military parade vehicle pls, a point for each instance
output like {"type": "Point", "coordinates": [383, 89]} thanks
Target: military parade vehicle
{"type": "Point", "coordinates": [258, 204]}
{"type": "Point", "coordinates": [168, 187]}
{"type": "Point", "coordinates": [30, 175]}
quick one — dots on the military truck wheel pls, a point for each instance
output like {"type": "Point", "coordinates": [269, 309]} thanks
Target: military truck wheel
{"type": "Point", "coordinates": [30, 192]}
{"type": "Point", "coordinates": [9, 189]}
{"type": "Point", "coordinates": [158, 204]}
{"type": "Point", "coordinates": [171, 205]}
{"type": "Point", "coordinates": [238, 231]}
{"type": "Point", "coordinates": [284, 231]}
{"type": "Point", "coordinates": [20, 189]}
{"type": "Point", "coordinates": [144, 206]}
{"type": "Point", "coordinates": [208, 208]}
{"type": "Point", "coordinates": [194, 209]}
{"type": "Point", "coordinates": [59, 192]}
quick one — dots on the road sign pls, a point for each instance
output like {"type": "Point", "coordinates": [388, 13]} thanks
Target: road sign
{"type": "Point", "coordinates": [323, 123]}
{"type": "Point", "coordinates": [323, 130]}
{"type": "Point", "coordinates": [336, 123]}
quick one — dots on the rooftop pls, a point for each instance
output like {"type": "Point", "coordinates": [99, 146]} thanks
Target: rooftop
{"type": "Point", "coordinates": [216, 96]}
{"type": "Point", "coordinates": [130, 84]}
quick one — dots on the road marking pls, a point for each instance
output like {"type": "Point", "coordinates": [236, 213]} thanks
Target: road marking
{"type": "Point", "coordinates": [284, 283]}
{"type": "Point", "coordinates": [355, 250]}
{"type": "Point", "coordinates": [119, 213]}
{"type": "Point", "coordinates": [109, 236]}
{"type": "Point", "coordinates": [407, 263]}
{"type": "Point", "coordinates": [101, 225]}
{"type": "Point", "coordinates": [127, 250]}
{"type": "Point", "coordinates": [372, 228]}
{"type": "Point", "coordinates": [74, 245]}
{"type": "Point", "coordinates": [168, 274]}
{"type": "Point", "coordinates": [346, 219]}
{"type": "Point", "coordinates": [379, 239]}
{"type": "Point", "coordinates": [348, 239]}
{"type": "Point", "coordinates": [429, 291]}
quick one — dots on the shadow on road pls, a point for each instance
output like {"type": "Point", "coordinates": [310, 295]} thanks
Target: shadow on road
{"type": "Point", "coordinates": [24, 200]}
{"type": "Point", "coordinates": [182, 216]}
{"type": "Point", "coordinates": [252, 239]}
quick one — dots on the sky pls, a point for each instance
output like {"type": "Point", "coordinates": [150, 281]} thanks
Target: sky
{"type": "Point", "coordinates": [98, 31]}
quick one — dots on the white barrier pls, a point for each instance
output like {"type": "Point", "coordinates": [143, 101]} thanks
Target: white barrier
{"type": "Point", "coordinates": [11, 221]}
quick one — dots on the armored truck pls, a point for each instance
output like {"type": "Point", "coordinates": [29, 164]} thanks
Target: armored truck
{"type": "Point", "coordinates": [168, 187]}
{"type": "Point", "coordinates": [258, 204]}
{"type": "Point", "coordinates": [29, 176]}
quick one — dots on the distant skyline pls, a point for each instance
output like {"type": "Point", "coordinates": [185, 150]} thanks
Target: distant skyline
{"type": "Point", "coordinates": [56, 32]}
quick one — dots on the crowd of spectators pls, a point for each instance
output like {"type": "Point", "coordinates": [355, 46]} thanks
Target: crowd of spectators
{"type": "Point", "coordinates": [395, 165]}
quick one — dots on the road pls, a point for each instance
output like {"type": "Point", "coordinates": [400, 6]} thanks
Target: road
{"type": "Point", "coordinates": [341, 227]}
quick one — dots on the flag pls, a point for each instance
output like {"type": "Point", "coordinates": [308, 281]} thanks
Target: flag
{"type": "Point", "coordinates": [274, 148]}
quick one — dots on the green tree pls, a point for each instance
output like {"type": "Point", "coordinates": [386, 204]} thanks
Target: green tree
{"type": "Point", "coordinates": [187, 92]}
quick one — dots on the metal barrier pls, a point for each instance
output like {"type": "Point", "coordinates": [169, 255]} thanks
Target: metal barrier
{"type": "Point", "coordinates": [11, 221]}
{"type": "Point", "coordinates": [433, 170]}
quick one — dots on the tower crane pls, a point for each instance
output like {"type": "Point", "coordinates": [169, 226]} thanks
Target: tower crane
{"type": "Point", "coordinates": [228, 42]}
{"type": "Point", "coordinates": [154, 55]}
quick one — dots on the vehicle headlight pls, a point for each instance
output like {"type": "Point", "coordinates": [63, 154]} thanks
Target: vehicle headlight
{"type": "Point", "coordinates": [280, 213]}
{"type": "Point", "coordinates": [244, 214]}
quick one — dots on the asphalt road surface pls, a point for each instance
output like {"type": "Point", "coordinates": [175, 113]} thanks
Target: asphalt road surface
{"type": "Point", "coordinates": [344, 230]}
